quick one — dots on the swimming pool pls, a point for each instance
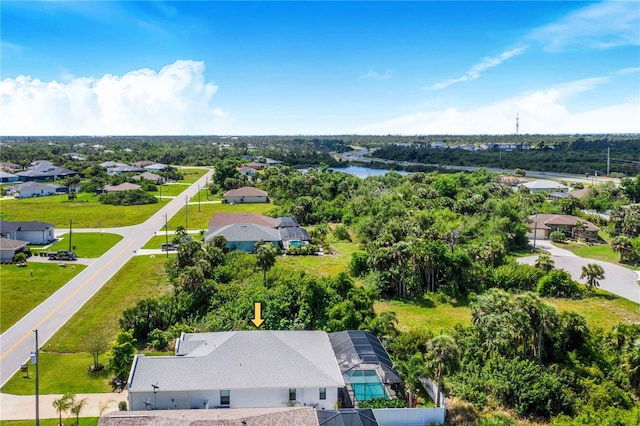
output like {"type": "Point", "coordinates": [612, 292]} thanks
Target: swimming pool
{"type": "Point", "coordinates": [366, 385]}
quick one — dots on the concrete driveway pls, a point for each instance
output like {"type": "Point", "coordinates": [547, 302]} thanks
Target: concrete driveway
{"type": "Point", "coordinates": [617, 279]}
{"type": "Point", "coordinates": [23, 407]}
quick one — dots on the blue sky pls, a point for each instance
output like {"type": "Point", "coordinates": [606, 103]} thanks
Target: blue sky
{"type": "Point", "coordinates": [247, 68]}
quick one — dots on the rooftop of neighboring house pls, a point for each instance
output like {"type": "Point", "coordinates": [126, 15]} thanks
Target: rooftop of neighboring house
{"type": "Point", "coordinates": [10, 167]}
{"type": "Point", "coordinates": [545, 221]}
{"type": "Point", "coordinates": [246, 191]}
{"type": "Point", "coordinates": [148, 176]}
{"type": "Point", "coordinates": [254, 165]}
{"type": "Point", "coordinates": [125, 186]}
{"type": "Point", "coordinates": [32, 186]}
{"type": "Point", "coordinates": [7, 244]}
{"type": "Point", "coordinates": [544, 184]}
{"type": "Point", "coordinates": [241, 360]}
{"type": "Point", "coordinates": [7, 227]}
{"type": "Point", "coordinates": [225, 219]}
{"type": "Point", "coordinates": [299, 416]}
{"type": "Point", "coordinates": [248, 232]}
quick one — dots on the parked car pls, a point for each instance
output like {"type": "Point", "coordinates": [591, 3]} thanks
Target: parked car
{"type": "Point", "coordinates": [62, 255]}
{"type": "Point", "coordinates": [168, 247]}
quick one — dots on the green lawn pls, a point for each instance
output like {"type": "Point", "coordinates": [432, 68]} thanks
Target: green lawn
{"type": "Point", "coordinates": [190, 175]}
{"type": "Point", "coordinates": [200, 219]}
{"type": "Point", "coordinates": [171, 189]}
{"type": "Point", "coordinates": [85, 211]}
{"type": "Point", "coordinates": [601, 252]}
{"type": "Point", "coordinates": [87, 244]}
{"type": "Point", "coordinates": [84, 421]}
{"type": "Point", "coordinates": [327, 265]}
{"type": "Point", "coordinates": [60, 373]}
{"type": "Point", "coordinates": [142, 277]}
{"type": "Point", "coordinates": [21, 291]}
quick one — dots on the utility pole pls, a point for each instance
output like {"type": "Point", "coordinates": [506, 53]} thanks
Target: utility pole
{"type": "Point", "coordinates": [166, 233]}
{"type": "Point", "coordinates": [70, 232]}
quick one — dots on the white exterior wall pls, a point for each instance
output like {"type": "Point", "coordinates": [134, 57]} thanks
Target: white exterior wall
{"type": "Point", "coordinates": [36, 237]}
{"type": "Point", "coordinates": [42, 193]}
{"type": "Point", "coordinates": [243, 398]}
{"type": "Point", "coordinates": [246, 199]}
{"type": "Point", "coordinates": [6, 255]}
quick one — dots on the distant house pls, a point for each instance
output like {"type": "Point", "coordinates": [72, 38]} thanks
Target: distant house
{"type": "Point", "coordinates": [247, 171]}
{"type": "Point", "coordinates": [143, 163]}
{"type": "Point", "coordinates": [282, 231]}
{"type": "Point", "coordinates": [544, 186]}
{"type": "Point", "coordinates": [33, 232]}
{"type": "Point", "coordinates": [246, 195]}
{"type": "Point", "coordinates": [156, 167]}
{"type": "Point", "coordinates": [111, 164]}
{"type": "Point", "coordinates": [32, 189]}
{"type": "Point", "coordinates": [6, 177]}
{"type": "Point", "coordinates": [254, 165]}
{"type": "Point", "coordinates": [272, 162]}
{"type": "Point", "coordinates": [126, 186]}
{"type": "Point", "coordinates": [157, 179]}
{"type": "Point", "coordinates": [239, 369]}
{"type": "Point", "coordinates": [244, 236]}
{"type": "Point", "coordinates": [112, 171]}
{"type": "Point", "coordinates": [580, 193]}
{"type": "Point", "coordinates": [9, 167]}
{"type": "Point", "coordinates": [9, 248]}
{"type": "Point", "coordinates": [542, 225]}
{"type": "Point", "coordinates": [43, 170]}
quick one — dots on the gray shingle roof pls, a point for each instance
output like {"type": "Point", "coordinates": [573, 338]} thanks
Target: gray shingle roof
{"type": "Point", "coordinates": [6, 226]}
{"type": "Point", "coordinates": [245, 232]}
{"type": "Point", "coordinates": [243, 360]}
{"type": "Point", "coordinates": [7, 244]}
{"type": "Point", "coordinates": [246, 191]}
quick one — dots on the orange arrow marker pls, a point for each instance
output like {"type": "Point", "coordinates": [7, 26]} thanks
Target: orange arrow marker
{"type": "Point", "coordinates": [257, 314]}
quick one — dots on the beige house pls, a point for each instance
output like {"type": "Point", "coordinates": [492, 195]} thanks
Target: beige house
{"type": "Point", "coordinates": [246, 194]}
{"type": "Point", "coordinates": [540, 226]}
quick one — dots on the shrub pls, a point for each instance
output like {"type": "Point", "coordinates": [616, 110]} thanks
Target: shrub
{"type": "Point", "coordinates": [341, 233]}
{"type": "Point", "coordinates": [520, 172]}
{"type": "Point", "coordinates": [558, 283]}
{"type": "Point", "coordinates": [558, 237]}
{"type": "Point", "coordinates": [128, 198]}
{"type": "Point", "coordinates": [122, 405]}
{"type": "Point", "coordinates": [382, 403]}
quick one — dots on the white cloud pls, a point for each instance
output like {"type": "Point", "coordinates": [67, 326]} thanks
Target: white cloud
{"type": "Point", "coordinates": [377, 76]}
{"type": "Point", "coordinates": [174, 100]}
{"type": "Point", "coordinates": [603, 25]}
{"type": "Point", "coordinates": [541, 112]}
{"type": "Point", "coordinates": [477, 69]}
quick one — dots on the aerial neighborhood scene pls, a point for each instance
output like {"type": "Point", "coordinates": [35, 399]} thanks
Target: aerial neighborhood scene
{"type": "Point", "coordinates": [320, 213]}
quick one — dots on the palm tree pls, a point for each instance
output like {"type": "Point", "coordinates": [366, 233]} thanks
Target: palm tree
{"type": "Point", "coordinates": [442, 357]}
{"type": "Point", "coordinates": [411, 371]}
{"type": "Point", "coordinates": [76, 408]}
{"type": "Point", "coordinates": [622, 244]}
{"type": "Point", "coordinates": [266, 258]}
{"type": "Point", "coordinates": [593, 273]}
{"type": "Point", "coordinates": [578, 229]}
{"type": "Point", "coordinates": [545, 262]}
{"type": "Point", "coordinates": [62, 404]}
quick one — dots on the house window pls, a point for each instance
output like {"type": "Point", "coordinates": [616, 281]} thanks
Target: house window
{"type": "Point", "coordinates": [323, 393]}
{"type": "Point", "coordinates": [224, 397]}
{"type": "Point", "coordinates": [292, 394]}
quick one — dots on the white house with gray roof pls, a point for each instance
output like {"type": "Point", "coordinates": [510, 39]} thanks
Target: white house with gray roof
{"type": "Point", "coordinates": [543, 185]}
{"type": "Point", "coordinates": [239, 369]}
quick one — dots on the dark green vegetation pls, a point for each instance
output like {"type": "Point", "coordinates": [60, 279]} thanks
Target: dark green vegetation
{"type": "Point", "coordinates": [566, 154]}
{"type": "Point", "coordinates": [426, 235]}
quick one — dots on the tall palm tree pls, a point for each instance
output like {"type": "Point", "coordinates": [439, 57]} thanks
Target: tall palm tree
{"type": "Point", "coordinates": [593, 273]}
{"type": "Point", "coordinates": [411, 371]}
{"type": "Point", "coordinates": [622, 244]}
{"type": "Point", "coordinates": [442, 357]}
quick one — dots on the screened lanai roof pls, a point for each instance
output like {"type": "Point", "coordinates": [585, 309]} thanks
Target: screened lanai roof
{"type": "Point", "coordinates": [294, 234]}
{"type": "Point", "coordinates": [360, 350]}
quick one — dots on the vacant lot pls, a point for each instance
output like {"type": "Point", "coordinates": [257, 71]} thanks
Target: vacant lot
{"type": "Point", "coordinates": [85, 211]}
{"type": "Point", "coordinates": [24, 288]}
{"type": "Point", "coordinates": [190, 175]}
{"type": "Point", "coordinates": [326, 265]}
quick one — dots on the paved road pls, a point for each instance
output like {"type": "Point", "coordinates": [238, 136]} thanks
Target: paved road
{"type": "Point", "coordinates": [17, 342]}
{"type": "Point", "coordinates": [617, 279]}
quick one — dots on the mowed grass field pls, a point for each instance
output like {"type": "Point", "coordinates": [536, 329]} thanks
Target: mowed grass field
{"type": "Point", "coordinates": [86, 211]}
{"type": "Point", "coordinates": [326, 265]}
{"type": "Point", "coordinates": [84, 421]}
{"type": "Point", "coordinates": [24, 288]}
{"type": "Point", "coordinates": [64, 360]}
{"type": "Point", "coordinates": [142, 277]}
{"type": "Point", "coordinates": [190, 175]}
{"type": "Point", "coordinates": [87, 244]}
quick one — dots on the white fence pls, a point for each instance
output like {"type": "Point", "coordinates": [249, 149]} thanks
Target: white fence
{"type": "Point", "coordinates": [409, 416]}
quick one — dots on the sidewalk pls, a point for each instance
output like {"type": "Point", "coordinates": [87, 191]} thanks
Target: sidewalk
{"type": "Point", "coordinates": [23, 407]}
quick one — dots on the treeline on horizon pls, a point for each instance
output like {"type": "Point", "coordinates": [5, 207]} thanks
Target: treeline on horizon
{"type": "Point", "coordinates": [578, 154]}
